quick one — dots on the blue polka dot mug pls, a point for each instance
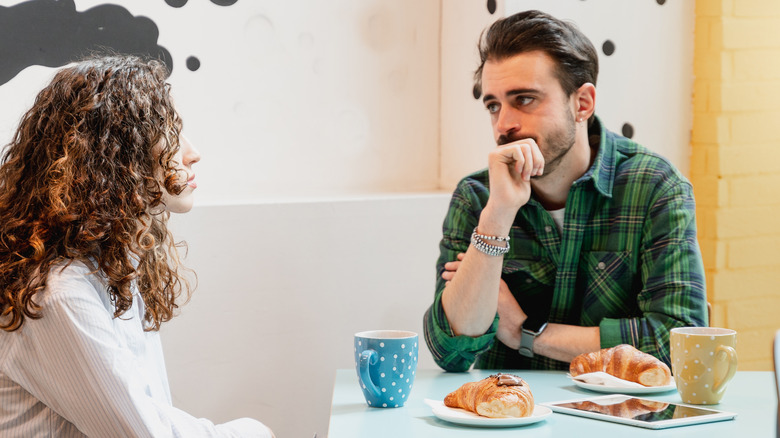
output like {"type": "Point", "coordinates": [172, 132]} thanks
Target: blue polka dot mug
{"type": "Point", "coordinates": [386, 362]}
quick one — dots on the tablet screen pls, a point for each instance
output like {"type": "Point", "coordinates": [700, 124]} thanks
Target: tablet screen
{"type": "Point", "coordinates": [639, 411]}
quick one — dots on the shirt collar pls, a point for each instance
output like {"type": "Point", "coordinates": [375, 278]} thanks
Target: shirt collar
{"type": "Point", "coordinates": [602, 171]}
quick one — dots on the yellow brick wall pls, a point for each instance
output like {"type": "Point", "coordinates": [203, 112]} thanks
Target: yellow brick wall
{"type": "Point", "coordinates": [735, 168]}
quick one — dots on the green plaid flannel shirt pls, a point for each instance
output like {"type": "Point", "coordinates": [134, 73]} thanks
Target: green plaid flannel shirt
{"type": "Point", "coordinates": [627, 259]}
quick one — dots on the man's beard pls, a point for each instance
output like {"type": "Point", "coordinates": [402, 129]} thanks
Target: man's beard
{"type": "Point", "coordinates": [553, 146]}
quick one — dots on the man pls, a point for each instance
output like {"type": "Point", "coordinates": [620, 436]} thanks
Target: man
{"type": "Point", "coordinates": [574, 238]}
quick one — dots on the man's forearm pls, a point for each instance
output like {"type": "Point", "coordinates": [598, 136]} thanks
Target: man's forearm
{"type": "Point", "coordinates": [565, 342]}
{"type": "Point", "coordinates": [470, 300]}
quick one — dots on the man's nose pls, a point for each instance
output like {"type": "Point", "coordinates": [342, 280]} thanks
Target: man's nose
{"type": "Point", "coordinates": [507, 121]}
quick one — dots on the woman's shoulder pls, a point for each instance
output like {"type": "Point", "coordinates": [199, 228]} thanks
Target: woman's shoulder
{"type": "Point", "coordinates": [73, 269]}
{"type": "Point", "coordinates": [71, 279]}
{"type": "Point", "coordinates": [73, 291]}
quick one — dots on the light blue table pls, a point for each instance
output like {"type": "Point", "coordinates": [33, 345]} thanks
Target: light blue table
{"type": "Point", "coordinates": [751, 395]}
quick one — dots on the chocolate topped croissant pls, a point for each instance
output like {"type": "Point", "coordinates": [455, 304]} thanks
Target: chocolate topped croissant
{"type": "Point", "coordinates": [497, 396]}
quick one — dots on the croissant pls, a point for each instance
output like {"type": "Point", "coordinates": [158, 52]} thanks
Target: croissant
{"type": "Point", "coordinates": [624, 362]}
{"type": "Point", "coordinates": [630, 408]}
{"type": "Point", "coordinates": [497, 396]}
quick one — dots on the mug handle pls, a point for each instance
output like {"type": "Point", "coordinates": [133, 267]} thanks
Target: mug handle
{"type": "Point", "coordinates": [368, 358]}
{"type": "Point", "coordinates": [725, 352]}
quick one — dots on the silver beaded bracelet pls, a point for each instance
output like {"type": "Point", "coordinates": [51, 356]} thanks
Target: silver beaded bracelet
{"type": "Point", "coordinates": [478, 240]}
{"type": "Point", "coordinates": [486, 237]}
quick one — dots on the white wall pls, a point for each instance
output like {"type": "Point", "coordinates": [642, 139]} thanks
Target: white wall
{"type": "Point", "coordinates": [466, 136]}
{"type": "Point", "coordinates": [294, 99]}
{"type": "Point", "coordinates": [311, 97]}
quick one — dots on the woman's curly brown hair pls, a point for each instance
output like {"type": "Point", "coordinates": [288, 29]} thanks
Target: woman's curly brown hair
{"type": "Point", "coordinates": [81, 181]}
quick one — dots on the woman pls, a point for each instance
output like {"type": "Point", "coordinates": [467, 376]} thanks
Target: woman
{"type": "Point", "coordinates": [88, 268]}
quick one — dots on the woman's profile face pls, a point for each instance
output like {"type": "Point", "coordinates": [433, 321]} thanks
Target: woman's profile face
{"type": "Point", "coordinates": [186, 156]}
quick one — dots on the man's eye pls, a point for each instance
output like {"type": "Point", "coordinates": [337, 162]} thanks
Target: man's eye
{"type": "Point", "coordinates": [524, 100]}
{"type": "Point", "coordinates": [492, 107]}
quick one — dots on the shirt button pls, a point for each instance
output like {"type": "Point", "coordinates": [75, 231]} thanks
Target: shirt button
{"type": "Point", "coordinates": [548, 228]}
{"type": "Point", "coordinates": [601, 265]}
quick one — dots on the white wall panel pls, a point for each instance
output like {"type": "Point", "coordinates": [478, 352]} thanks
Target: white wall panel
{"type": "Point", "coordinates": [282, 290]}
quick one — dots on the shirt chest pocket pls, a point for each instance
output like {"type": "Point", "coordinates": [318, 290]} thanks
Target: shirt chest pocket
{"type": "Point", "coordinates": [529, 272]}
{"type": "Point", "coordinates": [606, 279]}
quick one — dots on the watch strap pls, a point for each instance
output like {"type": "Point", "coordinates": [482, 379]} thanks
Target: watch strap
{"type": "Point", "coordinates": [527, 338]}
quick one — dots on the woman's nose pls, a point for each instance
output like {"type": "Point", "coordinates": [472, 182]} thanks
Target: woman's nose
{"type": "Point", "coordinates": [189, 153]}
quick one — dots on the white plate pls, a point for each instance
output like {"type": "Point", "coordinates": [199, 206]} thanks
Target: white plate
{"type": "Point", "coordinates": [625, 389]}
{"type": "Point", "coordinates": [461, 416]}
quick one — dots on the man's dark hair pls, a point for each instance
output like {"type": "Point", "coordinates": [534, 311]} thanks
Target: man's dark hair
{"type": "Point", "coordinates": [575, 57]}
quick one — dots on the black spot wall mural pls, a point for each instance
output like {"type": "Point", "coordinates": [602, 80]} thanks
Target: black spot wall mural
{"type": "Point", "coordinates": [608, 47]}
{"type": "Point", "coordinates": [53, 33]}
{"type": "Point", "coordinates": [491, 6]}
{"type": "Point", "coordinates": [180, 3]}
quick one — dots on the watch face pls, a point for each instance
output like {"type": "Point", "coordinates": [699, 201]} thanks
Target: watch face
{"type": "Point", "coordinates": [536, 303]}
{"type": "Point", "coordinates": [534, 324]}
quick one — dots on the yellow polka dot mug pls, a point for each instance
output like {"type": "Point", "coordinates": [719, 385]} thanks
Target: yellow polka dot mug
{"type": "Point", "coordinates": [704, 359]}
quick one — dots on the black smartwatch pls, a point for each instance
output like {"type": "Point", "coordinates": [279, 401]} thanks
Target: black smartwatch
{"type": "Point", "coordinates": [529, 331]}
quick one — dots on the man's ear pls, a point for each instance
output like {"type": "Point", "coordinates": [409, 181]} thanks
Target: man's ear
{"type": "Point", "coordinates": [585, 101]}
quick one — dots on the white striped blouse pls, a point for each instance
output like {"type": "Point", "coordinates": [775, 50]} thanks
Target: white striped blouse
{"type": "Point", "coordinates": [78, 371]}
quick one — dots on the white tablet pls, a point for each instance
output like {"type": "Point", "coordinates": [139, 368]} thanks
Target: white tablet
{"type": "Point", "coordinates": [638, 411]}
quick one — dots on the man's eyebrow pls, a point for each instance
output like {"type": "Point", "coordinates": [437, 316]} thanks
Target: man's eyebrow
{"type": "Point", "coordinates": [517, 91]}
{"type": "Point", "coordinates": [512, 93]}
{"type": "Point", "coordinates": [488, 97]}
